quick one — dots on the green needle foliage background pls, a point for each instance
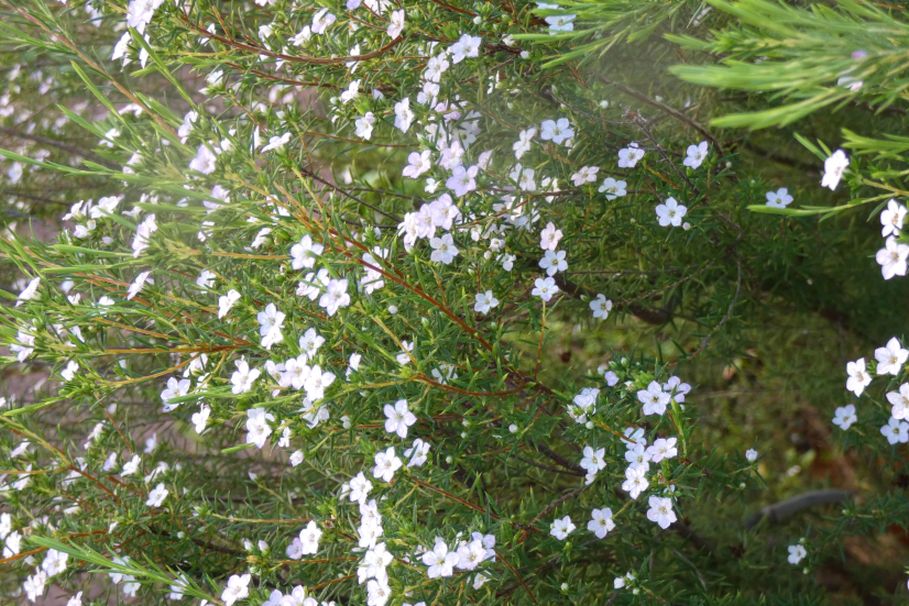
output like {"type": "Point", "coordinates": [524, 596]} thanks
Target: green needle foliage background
{"type": "Point", "coordinates": [236, 130]}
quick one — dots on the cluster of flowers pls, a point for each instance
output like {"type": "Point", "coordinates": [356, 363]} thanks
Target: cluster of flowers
{"type": "Point", "coordinates": [638, 454]}
{"type": "Point", "coordinates": [458, 181]}
{"type": "Point", "coordinates": [889, 360]}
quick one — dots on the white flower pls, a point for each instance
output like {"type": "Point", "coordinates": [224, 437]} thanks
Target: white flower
{"type": "Point", "coordinates": [522, 145]}
{"type": "Point", "coordinates": [661, 511]}
{"type": "Point", "coordinates": [797, 553]}
{"type": "Point", "coordinates": [544, 288]}
{"type": "Point", "coordinates": [890, 358]}
{"type": "Point", "coordinates": [322, 20]}
{"type": "Point", "coordinates": [550, 236]}
{"type": "Point", "coordinates": [335, 296]}
{"type": "Point", "coordinates": [630, 156]}
{"type": "Point", "coordinates": [896, 431]}
{"type": "Point", "coordinates": [471, 554]}
{"type": "Point", "coordinates": [405, 356]}
{"type": "Point", "coordinates": [137, 285]}
{"type": "Point", "coordinates": [462, 180]}
{"type": "Point", "coordinates": [435, 67]}
{"type": "Point", "coordinates": [139, 13]}
{"type": "Point", "coordinates": [662, 449]}
{"type": "Point", "coordinates": [310, 342]}
{"type": "Point", "coordinates": [69, 372]}
{"type": "Point", "coordinates": [417, 454]}
{"type": "Point", "coordinates": [34, 585]}
{"type": "Point", "coordinates": [257, 427]}
{"type": "Point", "coordinates": [351, 93]}
{"type": "Point", "coordinates": [899, 402]}
{"type": "Point", "coordinates": [270, 322]}
{"type": "Point", "coordinates": [304, 253]}
{"type": "Point", "coordinates": [601, 522]}
{"type": "Point", "coordinates": [156, 496]}
{"type": "Point", "coordinates": [237, 589]}
{"type": "Point", "coordinates": [359, 487]}
{"type": "Point", "coordinates": [144, 231]}
{"type": "Point", "coordinates": [670, 213]}
{"type": "Point", "coordinates": [395, 24]}
{"type": "Point", "coordinates": [593, 461]}
{"type": "Point", "coordinates": [834, 166]}
{"type": "Point", "coordinates": [206, 279]}
{"type": "Point", "coordinates": [695, 155]}
{"type": "Point", "coordinates": [24, 345]}
{"type": "Point", "coordinates": [417, 164]}
{"type": "Point", "coordinates": [29, 292]}
{"type": "Point", "coordinates": [443, 249]}
{"type": "Point", "coordinates": [54, 562]}
{"type": "Point", "coordinates": [131, 466]}
{"type": "Point", "coordinates": [175, 388]}
{"type": "Point", "coordinates": [484, 301]}
{"type": "Point", "coordinates": [844, 416]}
{"type": "Point", "coordinates": [586, 174]}
{"type": "Point", "coordinates": [857, 377]}
{"type": "Point", "coordinates": [467, 46]}
{"type": "Point", "coordinates": [403, 115]}
{"type": "Point", "coordinates": [364, 125]}
{"type": "Point", "coordinates": [601, 306]}
{"type": "Point", "coordinates": [440, 561]}
{"type": "Point", "coordinates": [398, 418]}
{"type": "Point", "coordinates": [560, 23]}
{"type": "Point", "coordinates": [276, 142]}
{"type": "Point", "coordinates": [200, 419]}
{"type": "Point", "coordinates": [892, 218]}
{"type": "Point", "coordinates": [204, 160]}
{"type": "Point", "coordinates": [225, 302]}
{"type": "Point", "coordinates": [892, 258]}
{"type": "Point", "coordinates": [309, 539]}
{"type": "Point", "coordinates": [751, 455]}
{"type": "Point", "coordinates": [779, 198]}
{"type": "Point", "coordinates": [316, 381]}
{"type": "Point", "coordinates": [561, 528]}
{"type": "Point", "coordinates": [243, 378]}
{"type": "Point", "coordinates": [654, 399]}
{"type": "Point", "coordinates": [613, 188]}
{"type": "Point", "coordinates": [378, 592]}
{"type": "Point", "coordinates": [553, 262]}
{"type": "Point", "coordinates": [557, 131]}
{"type": "Point", "coordinates": [387, 463]}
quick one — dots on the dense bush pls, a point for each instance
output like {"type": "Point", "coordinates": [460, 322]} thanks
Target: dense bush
{"type": "Point", "coordinates": [455, 302]}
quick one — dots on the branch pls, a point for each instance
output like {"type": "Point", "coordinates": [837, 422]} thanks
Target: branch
{"type": "Point", "coordinates": [779, 512]}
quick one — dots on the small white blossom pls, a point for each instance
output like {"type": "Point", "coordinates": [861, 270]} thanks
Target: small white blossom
{"type": "Point", "coordinates": [844, 416]}
{"type": "Point", "coordinates": [545, 288]}
{"type": "Point", "coordinates": [797, 553]}
{"type": "Point", "coordinates": [779, 198]}
{"type": "Point", "coordinates": [670, 213]}
{"type": "Point", "coordinates": [661, 511]}
{"type": "Point", "coordinates": [484, 301]}
{"type": "Point", "coordinates": [834, 167]}
{"type": "Point", "coordinates": [398, 418]}
{"type": "Point", "coordinates": [156, 496]}
{"type": "Point", "coordinates": [890, 358]}
{"type": "Point", "coordinates": [601, 522]}
{"type": "Point", "coordinates": [630, 156]}
{"type": "Point", "coordinates": [387, 463]}
{"type": "Point", "coordinates": [695, 155]}
{"type": "Point", "coordinates": [561, 528]}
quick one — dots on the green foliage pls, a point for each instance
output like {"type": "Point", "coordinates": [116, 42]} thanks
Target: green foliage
{"type": "Point", "coordinates": [224, 151]}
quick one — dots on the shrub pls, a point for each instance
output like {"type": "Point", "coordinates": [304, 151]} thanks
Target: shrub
{"type": "Point", "coordinates": [404, 303]}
